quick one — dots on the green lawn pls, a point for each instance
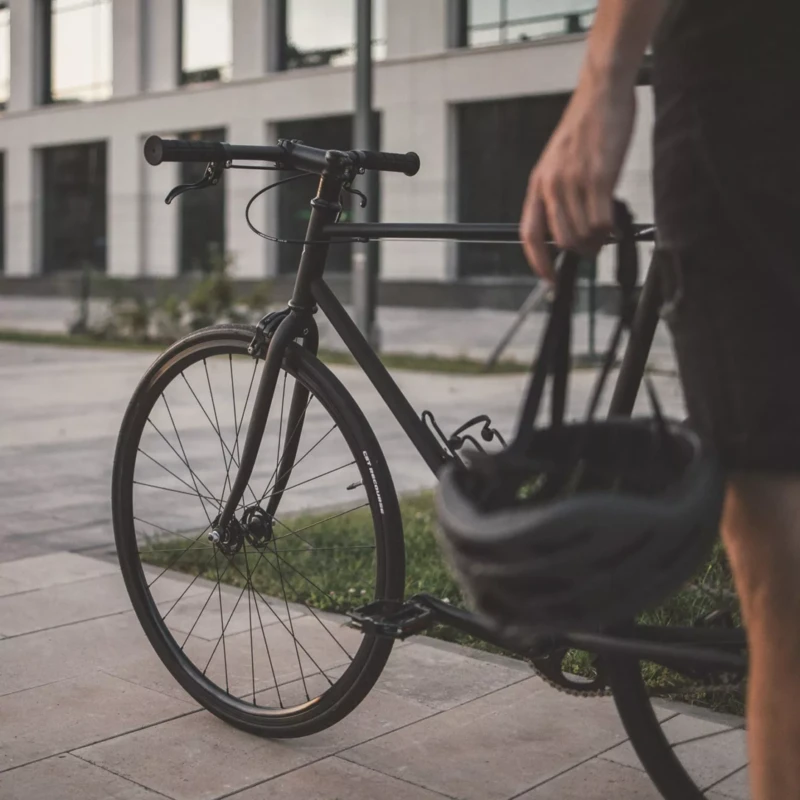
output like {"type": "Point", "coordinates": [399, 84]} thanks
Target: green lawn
{"type": "Point", "coordinates": [334, 583]}
{"type": "Point", "coordinates": [410, 361]}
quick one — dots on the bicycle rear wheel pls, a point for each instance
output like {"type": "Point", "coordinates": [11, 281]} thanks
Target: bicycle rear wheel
{"type": "Point", "coordinates": [245, 625]}
{"type": "Point", "coordinates": [688, 753]}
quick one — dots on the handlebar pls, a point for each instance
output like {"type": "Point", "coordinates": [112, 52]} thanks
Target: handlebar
{"type": "Point", "coordinates": [287, 154]}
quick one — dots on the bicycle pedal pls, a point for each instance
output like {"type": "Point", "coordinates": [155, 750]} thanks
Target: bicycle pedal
{"type": "Point", "coordinates": [391, 619]}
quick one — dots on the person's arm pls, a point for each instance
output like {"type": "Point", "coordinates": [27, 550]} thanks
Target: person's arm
{"type": "Point", "coordinates": [570, 190]}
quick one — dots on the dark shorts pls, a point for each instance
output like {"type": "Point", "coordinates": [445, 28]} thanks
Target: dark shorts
{"type": "Point", "coordinates": [727, 199]}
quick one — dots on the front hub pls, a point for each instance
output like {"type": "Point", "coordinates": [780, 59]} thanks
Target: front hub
{"type": "Point", "coordinates": [257, 526]}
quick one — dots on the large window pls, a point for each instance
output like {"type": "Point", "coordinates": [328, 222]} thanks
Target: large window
{"type": "Point", "coordinates": [490, 22]}
{"type": "Point", "coordinates": [2, 211]}
{"type": "Point", "coordinates": [202, 220]}
{"type": "Point", "coordinates": [5, 53]}
{"type": "Point", "coordinates": [498, 143]}
{"type": "Point", "coordinates": [80, 36]}
{"type": "Point", "coordinates": [323, 32]}
{"type": "Point", "coordinates": [293, 199]}
{"type": "Point", "coordinates": [206, 40]}
{"type": "Point", "coordinates": [74, 207]}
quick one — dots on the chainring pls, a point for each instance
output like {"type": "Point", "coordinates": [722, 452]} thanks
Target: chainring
{"type": "Point", "coordinates": [550, 669]}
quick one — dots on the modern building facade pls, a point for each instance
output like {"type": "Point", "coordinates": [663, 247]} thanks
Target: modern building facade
{"type": "Point", "coordinates": [474, 86]}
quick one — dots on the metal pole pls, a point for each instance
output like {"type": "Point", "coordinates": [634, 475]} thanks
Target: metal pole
{"type": "Point", "coordinates": [365, 256]}
{"type": "Point", "coordinates": [592, 308]}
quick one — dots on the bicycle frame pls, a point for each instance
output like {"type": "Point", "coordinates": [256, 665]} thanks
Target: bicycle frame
{"type": "Point", "coordinates": [676, 648]}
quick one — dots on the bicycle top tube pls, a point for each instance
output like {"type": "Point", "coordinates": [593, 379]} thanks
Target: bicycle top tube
{"type": "Point", "coordinates": [285, 155]}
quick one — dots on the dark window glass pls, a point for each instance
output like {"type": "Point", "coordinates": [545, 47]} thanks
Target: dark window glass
{"type": "Point", "coordinates": [499, 21]}
{"type": "Point", "coordinates": [2, 211]}
{"type": "Point", "coordinates": [322, 32]}
{"type": "Point", "coordinates": [293, 201]}
{"type": "Point", "coordinates": [80, 50]}
{"type": "Point", "coordinates": [202, 225]}
{"type": "Point", "coordinates": [5, 54]}
{"type": "Point", "coordinates": [74, 206]}
{"type": "Point", "coordinates": [206, 40]}
{"type": "Point", "coordinates": [498, 143]}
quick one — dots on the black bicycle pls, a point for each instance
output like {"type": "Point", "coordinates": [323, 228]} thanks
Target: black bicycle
{"type": "Point", "coordinates": [236, 430]}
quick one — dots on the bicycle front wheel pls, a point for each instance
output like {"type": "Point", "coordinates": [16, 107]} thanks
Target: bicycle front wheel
{"type": "Point", "coordinates": [250, 626]}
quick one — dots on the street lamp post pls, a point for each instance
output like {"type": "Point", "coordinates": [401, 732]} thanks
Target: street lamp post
{"type": "Point", "coordinates": [365, 256]}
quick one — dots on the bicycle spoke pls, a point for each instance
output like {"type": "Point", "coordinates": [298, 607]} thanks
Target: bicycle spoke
{"type": "Point", "coordinates": [250, 621]}
{"type": "Point", "coordinates": [183, 449]}
{"type": "Point", "coordinates": [224, 628]}
{"type": "Point", "coordinates": [261, 625]}
{"type": "Point", "coordinates": [205, 605]}
{"type": "Point", "coordinates": [295, 431]}
{"type": "Point", "coordinates": [291, 627]}
{"type": "Point", "coordinates": [337, 547]}
{"type": "Point", "coordinates": [219, 431]}
{"type": "Point", "coordinates": [224, 653]}
{"type": "Point", "coordinates": [276, 615]}
{"type": "Point", "coordinates": [183, 593]}
{"type": "Point", "coordinates": [166, 469]}
{"type": "Point", "coordinates": [211, 423]}
{"type": "Point", "coordinates": [165, 530]}
{"type": "Point", "coordinates": [176, 491]}
{"type": "Point", "coordinates": [193, 474]}
{"type": "Point", "coordinates": [177, 558]}
{"type": "Point", "coordinates": [313, 613]}
{"type": "Point", "coordinates": [316, 477]}
{"type": "Point", "coordinates": [314, 524]}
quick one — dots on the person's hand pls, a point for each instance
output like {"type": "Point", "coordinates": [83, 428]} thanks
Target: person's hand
{"type": "Point", "coordinates": [570, 191]}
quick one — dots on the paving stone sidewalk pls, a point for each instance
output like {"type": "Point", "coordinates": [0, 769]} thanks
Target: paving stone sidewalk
{"type": "Point", "coordinates": [89, 713]}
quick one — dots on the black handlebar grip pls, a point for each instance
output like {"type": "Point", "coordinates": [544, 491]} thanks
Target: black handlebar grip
{"type": "Point", "coordinates": [158, 150]}
{"type": "Point", "coordinates": [407, 163]}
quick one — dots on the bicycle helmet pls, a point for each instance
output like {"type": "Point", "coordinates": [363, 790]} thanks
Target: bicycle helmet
{"type": "Point", "coordinates": [583, 524]}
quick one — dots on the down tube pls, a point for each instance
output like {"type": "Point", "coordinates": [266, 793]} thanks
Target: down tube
{"type": "Point", "coordinates": [395, 400]}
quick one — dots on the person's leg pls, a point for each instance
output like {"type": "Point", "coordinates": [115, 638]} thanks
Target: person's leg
{"type": "Point", "coordinates": [761, 530]}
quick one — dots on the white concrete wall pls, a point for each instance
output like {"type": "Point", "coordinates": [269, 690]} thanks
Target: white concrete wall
{"type": "Point", "coordinates": [128, 50]}
{"type": "Point", "coordinates": [415, 90]}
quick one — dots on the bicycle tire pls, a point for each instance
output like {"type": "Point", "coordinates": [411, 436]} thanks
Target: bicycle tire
{"type": "Point", "coordinates": [647, 737]}
{"type": "Point", "coordinates": [351, 687]}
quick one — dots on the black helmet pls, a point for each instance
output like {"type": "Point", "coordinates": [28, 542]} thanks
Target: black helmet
{"type": "Point", "coordinates": [579, 525]}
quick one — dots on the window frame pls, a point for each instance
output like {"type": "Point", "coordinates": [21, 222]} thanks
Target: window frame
{"type": "Point", "coordinates": [461, 27]}
{"type": "Point", "coordinates": [183, 73]}
{"type": "Point", "coordinates": [46, 25]}
{"type": "Point", "coordinates": [281, 20]}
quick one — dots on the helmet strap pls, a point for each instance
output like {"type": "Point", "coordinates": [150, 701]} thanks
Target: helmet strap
{"type": "Point", "coordinates": [553, 356]}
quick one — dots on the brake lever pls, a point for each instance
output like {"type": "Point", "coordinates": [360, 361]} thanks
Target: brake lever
{"type": "Point", "coordinates": [211, 177]}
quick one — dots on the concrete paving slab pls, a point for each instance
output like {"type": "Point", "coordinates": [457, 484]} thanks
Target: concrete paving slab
{"type": "Point", "coordinates": [199, 757]}
{"type": "Point", "coordinates": [596, 780]}
{"type": "Point", "coordinates": [84, 710]}
{"type": "Point", "coordinates": [40, 572]}
{"type": "Point", "coordinates": [8, 586]}
{"type": "Point", "coordinates": [709, 751]}
{"type": "Point", "coordinates": [66, 777]}
{"type": "Point", "coordinates": [737, 786]}
{"type": "Point", "coordinates": [503, 743]}
{"type": "Point", "coordinates": [335, 779]}
{"type": "Point", "coordinates": [443, 679]}
{"type": "Point", "coordinates": [75, 602]}
{"type": "Point", "coordinates": [53, 655]}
